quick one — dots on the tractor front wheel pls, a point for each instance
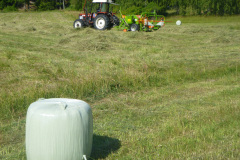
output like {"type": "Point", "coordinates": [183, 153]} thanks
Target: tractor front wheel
{"type": "Point", "coordinates": [78, 23]}
{"type": "Point", "coordinates": [134, 27]}
{"type": "Point", "coordinates": [101, 22]}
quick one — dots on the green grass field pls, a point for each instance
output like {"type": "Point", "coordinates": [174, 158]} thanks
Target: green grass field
{"type": "Point", "coordinates": [169, 94]}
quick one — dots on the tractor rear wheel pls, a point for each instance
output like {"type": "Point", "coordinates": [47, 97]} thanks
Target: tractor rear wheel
{"type": "Point", "coordinates": [101, 22]}
{"type": "Point", "coordinates": [134, 27]}
{"type": "Point", "coordinates": [78, 23]}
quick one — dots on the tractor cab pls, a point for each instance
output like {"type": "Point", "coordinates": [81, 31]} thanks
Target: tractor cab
{"type": "Point", "coordinates": [97, 15]}
{"type": "Point", "coordinates": [103, 7]}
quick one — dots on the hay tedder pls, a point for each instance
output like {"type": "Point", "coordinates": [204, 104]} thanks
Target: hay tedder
{"type": "Point", "coordinates": [147, 21]}
{"type": "Point", "coordinates": [100, 17]}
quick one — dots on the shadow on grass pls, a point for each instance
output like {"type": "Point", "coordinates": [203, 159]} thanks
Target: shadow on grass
{"type": "Point", "coordinates": [103, 146]}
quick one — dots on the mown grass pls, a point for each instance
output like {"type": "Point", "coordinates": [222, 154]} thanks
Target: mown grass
{"type": "Point", "coordinates": [169, 94]}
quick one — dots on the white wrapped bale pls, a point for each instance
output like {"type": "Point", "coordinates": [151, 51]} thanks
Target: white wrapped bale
{"type": "Point", "coordinates": [59, 129]}
{"type": "Point", "coordinates": [178, 23]}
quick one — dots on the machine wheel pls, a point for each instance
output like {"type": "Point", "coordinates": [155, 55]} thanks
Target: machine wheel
{"type": "Point", "coordinates": [134, 27]}
{"type": "Point", "coordinates": [116, 21]}
{"type": "Point", "coordinates": [101, 22]}
{"type": "Point", "coordinates": [78, 23]}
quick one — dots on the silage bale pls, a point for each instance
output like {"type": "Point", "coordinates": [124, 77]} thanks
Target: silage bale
{"type": "Point", "coordinates": [59, 129]}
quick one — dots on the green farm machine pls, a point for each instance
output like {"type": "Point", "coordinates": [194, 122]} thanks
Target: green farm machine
{"type": "Point", "coordinates": [103, 18]}
{"type": "Point", "coordinates": [147, 21]}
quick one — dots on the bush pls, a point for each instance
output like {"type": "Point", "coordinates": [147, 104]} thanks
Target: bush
{"type": "Point", "coordinates": [44, 6]}
{"type": "Point", "coordinates": [154, 6]}
{"type": "Point", "coordinates": [133, 10]}
{"type": "Point", "coordinates": [10, 9]}
{"type": "Point", "coordinates": [2, 5]}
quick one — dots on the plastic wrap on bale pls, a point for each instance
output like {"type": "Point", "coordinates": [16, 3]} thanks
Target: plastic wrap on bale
{"type": "Point", "coordinates": [59, 129]}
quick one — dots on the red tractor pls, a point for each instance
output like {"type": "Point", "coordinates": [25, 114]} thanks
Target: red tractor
{"type": "Point", "coordinates": [101, 19]}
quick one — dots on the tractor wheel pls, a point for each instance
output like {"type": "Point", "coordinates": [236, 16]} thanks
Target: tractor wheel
{"type": "Point", "coordinates": [78, 23]}
{"type": "Point", "coordinates": [101, 22]}
{"type": "Point", "coordinates": [134, 27]}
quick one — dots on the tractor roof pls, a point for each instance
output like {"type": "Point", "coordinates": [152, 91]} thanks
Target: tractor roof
{"type": "Point", "coordinates": [102, 1]}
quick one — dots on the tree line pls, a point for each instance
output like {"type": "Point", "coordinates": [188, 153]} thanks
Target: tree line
{"type": "Point", "coordinates": [180, 7]}
{"type": "Point", "coordinates": [13, 5]}
{"type": "Point", "coordinates": [183, 7]}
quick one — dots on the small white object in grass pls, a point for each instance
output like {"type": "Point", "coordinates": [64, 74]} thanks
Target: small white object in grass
{"type": "Point", "coordinates": [59, 129]}
{"type": "Point", "coordinates": [178, 22]}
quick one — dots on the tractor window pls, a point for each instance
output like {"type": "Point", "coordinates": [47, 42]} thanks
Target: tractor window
{"type": "Point", "coordinates": [104, 7]}
{"type": "Point", "coordinates": [95, 7]}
